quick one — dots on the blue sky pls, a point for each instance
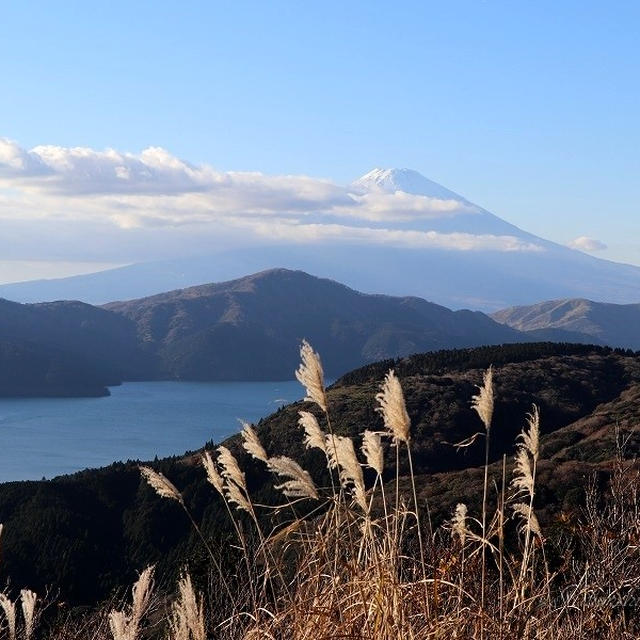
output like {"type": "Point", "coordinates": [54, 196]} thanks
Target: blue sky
{"type": "Point", "coordinates": [528, 109]}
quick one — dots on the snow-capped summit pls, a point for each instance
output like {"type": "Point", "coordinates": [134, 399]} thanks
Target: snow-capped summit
{"type": "Point", "coordinates": [413, 237]}
{"type": "Point", "coordinates": [407, 180]}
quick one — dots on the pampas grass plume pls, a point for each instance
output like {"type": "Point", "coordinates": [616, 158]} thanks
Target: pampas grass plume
{"type": "Point", "coordinates": [314, 436]}
{"type": "Point", "coordinates": [237, 497]}
{"type": "Point", "coordinates": [141, 594]}
{"type": "Point", "coordinates": [523, 481]}
{"type": "Point", "coordinates": [527, 455]}
{"type": "Point", "coordinates": [393, 408]}
{"type": "Point", "coordinates": [300, 484]}
{"type": "Point", "coordinates": [160, 484]}
{"type": "Point", "coordinates": [482, 403]}
{"type": "Point", "coordinates": [213, 476]}
{"type": "Point", "coordinates": [372, 450]}
{"type": "Point", "coordinates": [311, 376]}
{"type": "Point", "coordinates": [528, 516]}
{"type": "Point", "coordinates": [251, 443]}
{"type": "Point", "coordinates": [28, 601]}
{"type": "Point", "coordinates": [9, 609]}
{"type": "Point", "coordinates": [342, 456]}
{"type": "Point", "coordinates": [187, 620]}
{"type": "Point", "coordinates": [531, 438]}
{"type": "Point", "coordinates": [127, 627]}
{"type": "Point", "coordinates": [459, 523]}
{"type": "Point", "coordinates": [230, 468]}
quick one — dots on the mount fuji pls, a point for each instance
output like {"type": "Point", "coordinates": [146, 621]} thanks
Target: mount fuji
{"type": "Point", "coordinates": [415, 237]}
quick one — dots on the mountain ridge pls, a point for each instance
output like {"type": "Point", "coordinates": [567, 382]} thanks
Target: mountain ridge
{"type": "Point", "coordinates": [247, 329]}
{"type": "Point", "coordinates": [277, 308]}
{"type": "Point", "coordinates": [450, 251]}
{"type": "Point", "coordinates": [613, 324]}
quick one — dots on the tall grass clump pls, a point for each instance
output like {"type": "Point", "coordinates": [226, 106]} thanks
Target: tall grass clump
{"type": "Point", "coordinates": [361, 560]}
{"type": "Point", "coordinates": [351, 552]}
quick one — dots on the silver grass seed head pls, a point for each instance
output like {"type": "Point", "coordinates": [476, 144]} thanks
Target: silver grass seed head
{"type": "Point", "coordinates": [528, 518]}
{"type": "Point", "coordinates": [236, 496]}
{"type": "Point", "coordinates": [161, 484]}
{"type": "Point", "coordinates": [28, 600]}
{"type": "Point", "coordinates": [530, 439]}
{"type": "Point", "coordinates": [251, 443]}
{"type": "Point", "coordinates": [523, 481]}
{"type": "Point", "coordinates": [372, 450]}
{"type": "Point", "coordinates": [230, 469]}
{"type": "Point", "coordinates": [9, 609]}
{"type": "Point", "coordinates": [360, 496]}
{"type": "Point", "coordinates": [459, 523]}
{"type": "Point", "coordinates": [314, 436]}
{"type": "Point", "coordinates": [118, 623]}
{"type": "Point", "coordinates": [393, 408]}
{"type": "Point", "coordinates": [341, 455]}
{"type": "Point", "coordinates": [213, 476]}
{"type": "Point", "coordinates": [311, 376]}
{"type": "Point", "coordinates": [141, 594]}
{"type": "Point", "coordinates": [482, 403]}
{"type": "Point", "coordinates": [187, 620]}
{"type": "Point", "coordinates": [299, 485]}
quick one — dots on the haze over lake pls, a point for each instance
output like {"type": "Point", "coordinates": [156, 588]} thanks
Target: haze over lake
{"type": "Point", "coordinates": [46, 437]}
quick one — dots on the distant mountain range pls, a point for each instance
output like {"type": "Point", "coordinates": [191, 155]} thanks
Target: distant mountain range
{"type": "Point", "coordinates": [617, 325]}
{"type": "Point", "coordinates": [251, 328]}
{"type": "Point", "coordinates": [430, 242]}
{"type": "Point", "coordinates": [245, 329]}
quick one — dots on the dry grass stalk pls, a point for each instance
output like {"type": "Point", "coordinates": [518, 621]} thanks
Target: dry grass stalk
{"type": "Point", "coordinates": [483, 404]}
{"type": "Point", "coordinates": [357, 577]}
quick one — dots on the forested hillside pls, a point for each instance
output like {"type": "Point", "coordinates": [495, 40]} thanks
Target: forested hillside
{"type": "Point", "coordinates": [104, 525]}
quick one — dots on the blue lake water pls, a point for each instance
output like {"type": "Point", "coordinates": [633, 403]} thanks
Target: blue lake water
{"type": "Point", "coordinates": [46, 437]}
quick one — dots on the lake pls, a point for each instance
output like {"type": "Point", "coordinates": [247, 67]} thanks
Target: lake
{"type": "Point", "coordinates": [46, 437]}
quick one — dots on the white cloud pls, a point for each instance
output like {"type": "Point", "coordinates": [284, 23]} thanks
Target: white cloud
{"type": "Point", "coordinates": [313, 233]}
{"type": "Point", "coordinates": [90, 196]}
{"type": "Point", "coordinates": [585, 243]}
